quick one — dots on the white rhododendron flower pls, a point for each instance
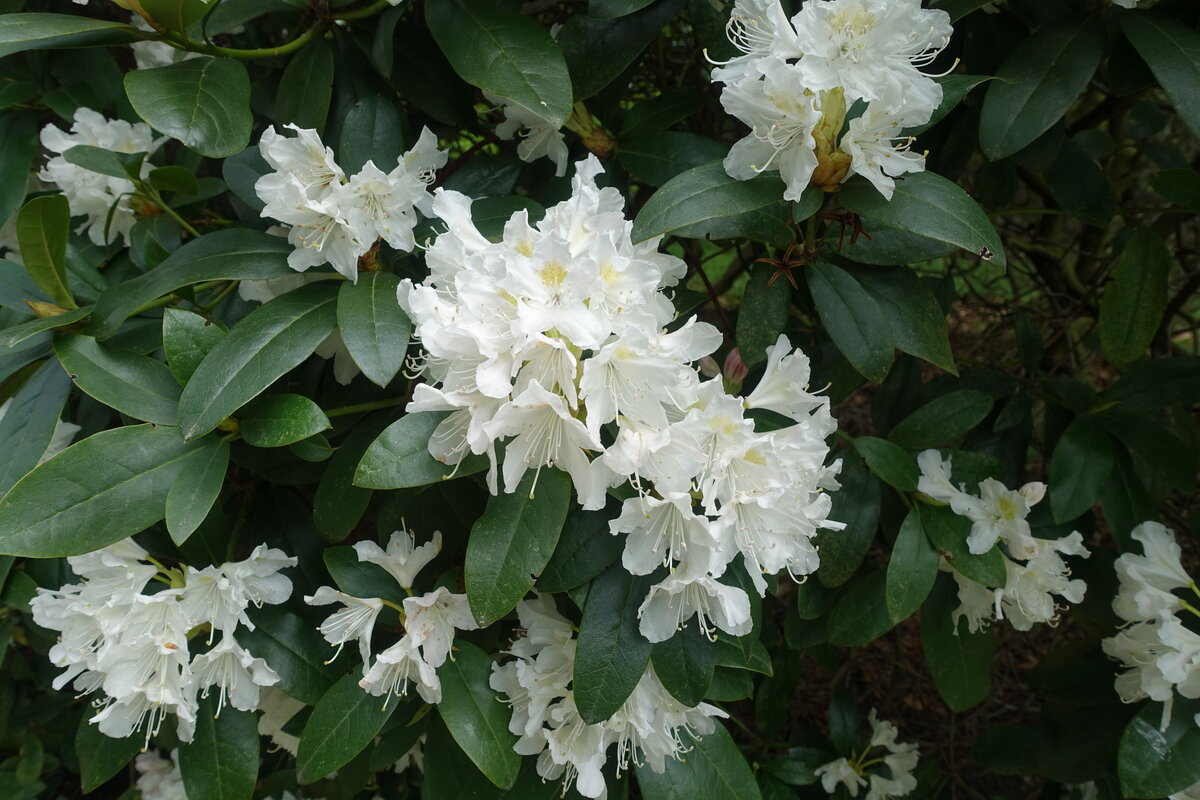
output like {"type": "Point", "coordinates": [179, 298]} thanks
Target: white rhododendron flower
{"type": "Point", "coordinates": [152, 54]}
{"type": "Point", "coordinates": [92, 194]}
{"type": "Point", "coordinates": [796, 79]}
{"type": "Point", "coordinates": [134, 647]}
{"type": "Point", "coordinates": [555, 339]}
{"type": "Point", "coordinates": [159, 778]}
{"type": "Point", "coordinates": [539, 137]}
{"type": "Point", "coordinates": [334, 220]}
{"type": "Point", "coordinates": [897, 759]}
{"type": "Point", "coordinates": [1160, 653]}
{"type": "Point", "coordinates": [648, 729]}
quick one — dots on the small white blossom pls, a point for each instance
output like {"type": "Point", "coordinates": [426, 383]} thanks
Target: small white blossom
{"type": "Point", "coordinates": [159, 778]}
{"type": "Point", "coordinates": [403, 557]}
{"type": "Point", "coordinates": [356, 619]}
{"type": "Point", "coordinates": [539, 136]}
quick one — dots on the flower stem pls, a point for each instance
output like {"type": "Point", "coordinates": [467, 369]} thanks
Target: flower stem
{"type": "Point", "coordinates": [361, 407]}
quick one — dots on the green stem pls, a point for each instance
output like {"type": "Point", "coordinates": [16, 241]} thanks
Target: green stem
{"type": "Point", "coordinates": [359, 408]}
{"type": "Point", "coordinates": [362, 13]}
{"type": "Point", "coordinates": [157, 198]}
{"type": "Point", "coordinates": [221, 295]}
{"type": "Point", "coordinates": [315, 30]}
{"type": "Point", "coordinates": [171, 298]}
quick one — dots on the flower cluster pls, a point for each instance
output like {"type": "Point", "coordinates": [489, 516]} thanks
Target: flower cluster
{"type": "Point", "coordinates": [886, 774]}
{"type": "Point", "coordinates": [555, 340]}
{"type": "Point", "coordinates": [429, 621]}
{"type": "Point", "coordinates": [1035, 568]}
{"type": "Point", "coordinates": [336, 220]}
{"type": "Point", "coordinates": [106, 201]}
{"type": "Point", "coordinates": [537, 682]}
{"type": "Point", "coordinates": [796, 80]}
{"type": "Point", "coordinates": [1161, 652]}
{"type": "Point", "coordinates": [134, 645]}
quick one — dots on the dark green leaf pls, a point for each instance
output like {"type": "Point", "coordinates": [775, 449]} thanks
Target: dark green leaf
{"type": "Point", "coordinates": [196, 487]}
{"type": "Point", "coordinates": [607, 9]}
{"type": "Point", "coordinates": [713, 769]}
{"type": "Point", "coordinates": [856, 504]}
{"type": "Point", "coordinates": [1134, 301]}
{"type": "Point", "coordinates": [1172, 49]}
{"type": "Point", "coordinates": [175, 15]}
{"type": "Point", "coordinates": [180, 180]}
{"type": "Point", "coordinates": [597, 51]}
{"type": "Point", "coordinates": [450, 775]}
{"type": "Point", "coordinates": [100, 490]}
{"type": "Point", "coordinates": [341, 726]}
{"type": "Point", "coordinates": [948, 532]}
{"type": "Point", "coordinates": [373, 130]}
{"type": "Point", "coordinates": [18, 146]}
{"type": "Point", "coordinates": [1039, 80]}
{"type": "Point", "coordinates": [27, 427]}
{"type": "Point", "coordinates": [373, 326]}
{"type": "Point", "coordinates": [221, 761]}
{"type": "Point", "coordinates": [1079, 468]}
{"type": "Point", "coordinates": [187, 338]}
{"type": "Point", "coordinates": [889, 461]}
{"type": "Point", "coordinates": [361, 578]}
{"type": "Point", "coordinates": [1080, 186]}
{"type": "Point", "coordinates": [917, 321]}
{"type": "Point", "coordinates": [1180, 186]}
{"type": "Point", "coordinates": [400, 458]}
{"type": "Point", "coordinates": [504, 54]}
{"type": "Point", "coordinates": [860, 614]}
{"type": "Point", "coordinates": [100, 756]}
{"type": "Point", "coordinates": [203, 102]}
{"type": "Point", "coordinates": [585, 549]}
{"type": "Point", "coordinates": [491, 214]}
{"type": "Point", "coordinates": [931, 206]}
{"type": "Point", "coordinates": [476, 717]}
{"type": "Point", "coordinates": [611, 654]}
{"type": "Point", "coordinates": [266, 344]}
{"type": "Point", "coordinates": [17, 334]}
{"type": "Point", "coordinates": [106, 162]}
{"type": "Point", "coordinates": [43, 226]}
{"type": "Point", "coordinates": [661, 112]}
{"type": "Point", "coordinates": [853, 319]}
{"type": "Point", "coordinates": [912, 568]}
{"type": "Point", "coordinates": [762, 316]}
{"type": "Point", "coordinates": [281, 419]}
{"type": "Point", "coordinates": [942, 419]}
{"type": "Point", "coordinates": [1155, 762]}
{"type": "Point", "coordinates": [338, 504]}
{"type": "Point", "coordinates": [20, 32]}
{"type": "Point", "coordinates": [743, 652]}
{"type": "Point", "coordinates": [135, 385]}
{"type": "Point", "coordinates": [685, 663]}
{"type": "Point", "coordinates": [960, 661]}
{"type": "Point", "coordinates": [512, 542]}
{"type": "Point", "coordinates": [294, 650]}
{"type": "Point", "coordinates": [655, 158]}
{"type": "Point", "coordinates": [954, 89]}
{"type": "Point", "coordinates": [306, 87]}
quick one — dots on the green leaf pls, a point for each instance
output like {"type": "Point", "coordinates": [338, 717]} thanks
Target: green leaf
{"type": "Point", "coordinates": [100, 756]}
{"type": "Point", "coordinates": [17, 334]}
{"type": "Point", "coordinates": [361, 578]}
{"type": "Point", "coordinates": [611, 654]}
{"type": "Point", "coordinates": [1080, 186]}
{"type": "Point", "coordinates": [373, 130]}
{"type": "Point", "coordinates": [660, 112]}
{"type": "Point", "coordinates": [203, 102]}
{"type": "Point", "coordinates": [585, 549]}
{"type": "Point", "coordinates": [1040, 79]}
{"type": "Point", "coordinates": [912, 568]}
{"type": "Point", "coordinates": [21, 32]}
{"type": "Point", "coordinates": [762, 316]}
{"type": "Point", "coordinates": [1172, 50]}
{"type": "Point", "coordinates": [942, 419]}
{"type": "Point", "coordinates": [175, 15]}
{"type": "Point", "coordinates": [491, 214]}
{"type": "Point", "coordinates": [187, 338]}
{"type": "Point", "coordinates": [504, 54]}
{"type": "Point", "coordinates": [706, 202]}
{"type": "Point", "coordinates": [856, 504]}
{"type": "Point", "coordinates": [67, 506]}
{"type": "Point", "coordinates": [889, 461]}
{"type": "Point", "coordinates": [134, 384]}
{"type": "Point", "coordinates": [43, 226]}
{"type": "Point", "coordinates": [1134, 301]}
{"type": "Point", "coordinates": [948, 532]}
{"type": "Point", "coordinates": [931, 206]}
{"type": "Point", "coordinates": [282, 419]}
{"type": "Point", "coordinates": [713, 769]}
{"type": "Point", "coordinates": [27, 426]}
{"type": "Point", "coordinates": [476, 717]}
{"type": "Point", "coordinates": [598, 51]}
{"type": "Point", "coordinates": [860, 615]}
{"type": "Point", "coordinates": [237, 254]}
{"type": "Point", "coordinates": [853, 319]}
{"type": "Point", "coordinates": [685, 664]}
{"type": "Point", "coordinates": [400, 458]}
{"type": "Point", "coordinates": [105, 162]}
{"type": "Point", "coordinates": [1079, 468]}
{"type": "Point", "coordinates": [306, 87]}
{"type": "Point", "coordinates": [608, 9]}
{"type": "Point", "coordinates": [196, 487]}
{"type": "Point", "coordinates": [913, 314]}
{"type": "Point", "coordinates": [294, 650]}
{"type": "Point", "coordinates": [960, 661]}
{"type": "Point", "coordinates": [512, 542]}
{"type": "Point", "coordinates": [18, 146]}
{"type": "Point", "coordinates": [342, 724]}
{"type": "Point", "coordinates": [743, 652]}
{"type": "Point", "coordinates": [221, 761]}
{"type": "Point", "coordinates": [180, 180]}
{"type": "Point", "coordinates": [1179, 186]}
{"type": "Point", "coordinates": [338, 504]}
{"type": "Point", "coordinates": [450, 775]}
{"type": "Point", "coordinates": [655, 158]}
{"type": "Point", "coordinates": [373, 326]}
{"type": "Point", "coordinates": [262, 347]}
{"type": "Point", "coordinates": [1153, 762]}
{"type": "Point", "coordinates": [954, 89]}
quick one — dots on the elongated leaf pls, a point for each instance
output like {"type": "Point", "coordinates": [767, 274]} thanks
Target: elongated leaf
{"type": "Point", "coordinates": [175, 15]}
{"type": "Point", "coordinates": [503, 53]}
{"type": "Point", "coordinates": [611, 654]}
{"type": "Point", "coordinates": [18, 146]}
{"type": "Point", "coordinates": [20, 32]}
{"type": "Point", "coordinates": [1039, 80]}
{"type": "Point", "coordinates": [306, 87]}
{"type": "Point", "coordinates": [338, 504]}
{"type": "Point", "coordinates": [476, 717]}
{"type": "Point", "coordinates": [373, 326]}
{"type": "Point", "coordinates": [948, 532]}
{"type": "Point", "coordinates": [43, 225]}
{"type": "Point", "coordinates": [450, 775]}
{"type": "Point", "coordinates": [1134, 301]}
{"type": "Point", "coordinates": [960, 661]}
{"type": "Point", "coordinates": [762, 316]}
{"type": "Point", "coordinates": [657, 157]}
{"type": "Point", "coordinates": [237, 254]}
{"type": "Point", "coordinates": [294, 650]}
{"type": "Point", "coordinates": [912, 568]}
{"type": "Point", "coordinates": [203, 102]}
{"type": "Point", "coordinates": [106, 162]}
{"type": "Point", "coordinates": [400, 458]}
{"type": "Point", "coordinates": [361, 578]}
{"type": "Point", "coordinates": [221, 761]}
{"type": "Point", "coordinates": [597, 51]}
{"type": "Point", "coordinates": [1172, 50]}
{"type": "Point", "coordinates": [512, 542]}
{"type": "Point", "coordinates": [1153, 762]}
{"type": "Point", "coordinates": [856, 504]}
{"type": "Point", "coordinates": [585, 549]}
{"type": "Point", "coordinates": [743, 652]}
{"type": "Point", "coordinates": [931, 206]}
{"type": "Point", "coordinates": [917, 321]}
{"type": "Point", "coordinates": [341, 726]}
{"type": "Point", "coordinates": [954, 89]}
{"type": "Point", "coordinates": [860, 615]}
{"type": "Point", "coordinates": [942, 419]}
{"type": "Point", "coordinates": [1079, 468]}
{"type": "Point", "coordinates": [853, 319]}
{"type": "Point", "coordinates": [17, 334]}
{"type": "Point", "coordinates": [196, 487]}
{"type": "Point", "coordinates": [373, 130]}
{"type": "Point", "coordinates": [267, 343]}
{"type": "Point", "coordinates": [133, 384]}
{"type": "Point", "coordinates": [100, 490]}
{"type": "Point", "coordinates": [685, 664]}
{"type": "Point", "coordinates": [100, 756]}
{"type": "Point", "coordinates": [187, 338]}
{"type": "Point", "coordinates": [28, 425]}
{"type": "Point", "coordinates": [282, 419]}
{"type": "Point", "coordinates": [889, 462]}
{"type": "Point", "coordinates": [714, 768]}
{"type": "Point", "coordinates": [705, 201]}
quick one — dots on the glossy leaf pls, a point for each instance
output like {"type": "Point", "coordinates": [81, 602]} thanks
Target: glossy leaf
{"type": "Point", "coordinates": [101, 756]}
{"type": "Point", "coordinates": [305, 88]}
{"type": "Point", "coordinates": [294, 650]}
{"type": "Point", "coordinates": [889, 461]}
{"type": "Point", "coordinates": [1079, 468]}
{"type": "Point", "coordinates": [1172, 50]}
{"type": "Point", "coordinates": [714, 768]}
{"type": "Point", "coordinates": [196, 488]}
{"type": "Point", "coordinates": [912, 568]}
{"type": "Point", "coordinates": [857, 505]}
{"type": "Point", "coordinates": [43, 226]}
{"type": "Point", "coordinates": [853, 319]}
{"type": "Point", "coordinates": [18, 146]}
{"type": "Point", "coordinates": [1154, 762]}
{"type": "Point", "coordinates": [762, 316]}
{"type": "Point", "coordinates": [585, 549]}
{"type": "Point", "coordinates": [476, 717]}
{"type": "Point", "coordinates": [860, 615]}
{"type": "Point", "coordinates": [1134, 300]}
{"type": "Point", "coordinates": [611, 653]}
{"type": "Point", "coordinates": [342, 724]}
{"type": "Point", "coordinates": [916, 320]}
{"type": "Point", "coordinates": [17, 334]}
{"type": "Point", "coordinates": [400, 458]}
{"type": "Point", "coordinates": [948, 532]}
{"type": "Point", "coordinates": [942, 419]}
{"type": "Point", "coordinates": [281, 419]}
{"type": "Point", "coordinates": [27, 425]}
{"type": "Point", "coordinates": [598, 51]}
{"type": "Point", "coordinates": [373, 326]}
{"type": "Point", "coordinates": [135, 385]}
{"type": "Point", "coordinates": [203, 102]}
{"type": "Point", "coordinates": [685, 664]}
{"type": "Point", "coordinates": [187, 338]}
{"type": "Point", "coordinates": [221, 761]}
{"type": "Point", "coordinates": [21, 32]}
{"type": "Point", "coordinates": [960, 661]}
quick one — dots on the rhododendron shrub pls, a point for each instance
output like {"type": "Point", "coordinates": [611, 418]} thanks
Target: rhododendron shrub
{"type": "Point", "coordinates": [720, 399]}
